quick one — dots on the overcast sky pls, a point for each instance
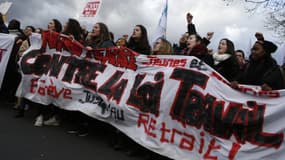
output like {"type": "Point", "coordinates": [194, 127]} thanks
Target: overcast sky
{"type": "Point", "coordinates": [230, 21]}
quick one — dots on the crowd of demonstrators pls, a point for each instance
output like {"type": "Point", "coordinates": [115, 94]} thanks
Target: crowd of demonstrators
{"type": "Point", "coordinates": [261, 69]}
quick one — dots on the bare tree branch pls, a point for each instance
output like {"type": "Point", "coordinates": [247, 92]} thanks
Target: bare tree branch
{"type": "Point", "coordinates": [255, 1]}
{"type": "Point", "coordinates": [275, 20]}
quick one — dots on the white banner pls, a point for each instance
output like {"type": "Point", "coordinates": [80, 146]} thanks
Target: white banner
{"type": "Point", "coordinates": [6, 46]}
{"type": "Point", "coordinates": [174, 105]}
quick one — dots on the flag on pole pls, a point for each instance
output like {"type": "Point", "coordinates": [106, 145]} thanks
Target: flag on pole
{"type": "Point", "coordinates": [161, 28]}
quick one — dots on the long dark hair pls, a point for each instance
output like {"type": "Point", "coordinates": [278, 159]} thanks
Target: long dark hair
{"type": "Point", "coordinates": [14, 24]}
{"type": "Point", "coordinates": [104, 35]}
{"type": "Point", "coordinates": [104, 32]}
{"type": "Point", "coordinates": [231, 50]}
{"type": "Point", "coordinates": [230, 46]}
{"type": "Point", "coordinates": [141, 43]}
{"type": "Point", "coordinates": [57, 25]}
{"type": "Point", "coordinates": [73, 28]}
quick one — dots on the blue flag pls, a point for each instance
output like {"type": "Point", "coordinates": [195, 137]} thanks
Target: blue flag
{"type": "Point", "coordinates": [162, 24]}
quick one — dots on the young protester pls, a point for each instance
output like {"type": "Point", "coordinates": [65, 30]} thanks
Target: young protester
{"type": "Point", "coordinates": [73, 29]}
{"type": "Point", "coordinates": [241, 59]}
{"type": "Point", "coordinates": [121, 42]}
{"type": "Point", "coordinates": [54, 26]}
{"type": "Point", "coordinates": [162, 47]}
{"type": "Point", "coordinates": [182, 45]}
{"type": "Point", "coordinates": [139, 40]}
{"type": "Point", "coordinates": [12, 77]}
{"type": "Point", "coordinates": [262, 69]}
{"type": "Point", "coordinates": [195, 47]}
{"type": "Point", "coordinates": [22, 102]}
{"type": "Point", "coordinates": [225, 61]}
{"type": "Point", "coordinates": [99, 37]}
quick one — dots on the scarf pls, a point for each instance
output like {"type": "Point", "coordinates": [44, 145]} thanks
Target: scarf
{"type": "Point", "coordinates": [218, 58]}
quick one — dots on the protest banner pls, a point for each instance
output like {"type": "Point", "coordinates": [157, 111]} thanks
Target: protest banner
{"type": "Point", "coordinates": [91, 8]}
{"type": "Point", "coordinates": [176, 106]}
{"type": "Point", "coordinates": [6, 46]}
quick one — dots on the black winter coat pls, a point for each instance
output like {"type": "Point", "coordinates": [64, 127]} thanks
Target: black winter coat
{"type": "Point", "coordinates": [201, 52]}
{"type": "Point", "coordinates": [264, 71]}
{"type": "Point", "coordinates": [228, 68]}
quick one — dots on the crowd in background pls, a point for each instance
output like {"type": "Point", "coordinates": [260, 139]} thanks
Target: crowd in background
{"type": "Point", "coordinates": [259, 69]}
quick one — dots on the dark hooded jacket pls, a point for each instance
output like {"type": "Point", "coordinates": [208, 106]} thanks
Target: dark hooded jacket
{"type": "Point", "coordinates": [265, 70]}
{"type": "Point", "coordinates": [201, 52]}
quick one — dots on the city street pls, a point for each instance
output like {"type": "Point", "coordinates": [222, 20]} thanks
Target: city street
{"type": "Point", "coordinates": [20, 140]}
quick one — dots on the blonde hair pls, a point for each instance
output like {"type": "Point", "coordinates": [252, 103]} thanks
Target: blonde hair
{"type": "Point", "coordinates": [165, 48]}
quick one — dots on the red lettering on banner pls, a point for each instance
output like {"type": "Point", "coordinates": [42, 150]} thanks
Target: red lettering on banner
{"type": "Point", "coordinates": [165, 62]}
{"type": "Point", "coordinates": [117, 56]}
{"type": "Point", "coordinates": [148, 124]}
{"type": "Point", "coordinates": [49, 90]}
{"type": "Point", "coordinates": [164, 130]}
{"type": "Point", "coordinates": [220, 78]}
{"type": "Point", "coordinates": [273, 93]}
{"type": "Point", "coordinates": [192, 108]}
{"type": "Point", "coordinates": [187, 142]}
{"type": "Point", "coordinates": [211, 147]}
{"type": "Point", "coordinates": [184, 140]}
{"type": "Point", "coordinates": [146, 96]}
{"type": "Point", "coordinates": [234, 150]}
{"type": "Point", "coordinates": [202, 141]}
{"type": "Point", "coordinates": [61, 43]}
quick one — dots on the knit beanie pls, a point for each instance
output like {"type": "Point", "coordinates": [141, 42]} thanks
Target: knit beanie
{"type": "Point", "coordinates": [268, 46]}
